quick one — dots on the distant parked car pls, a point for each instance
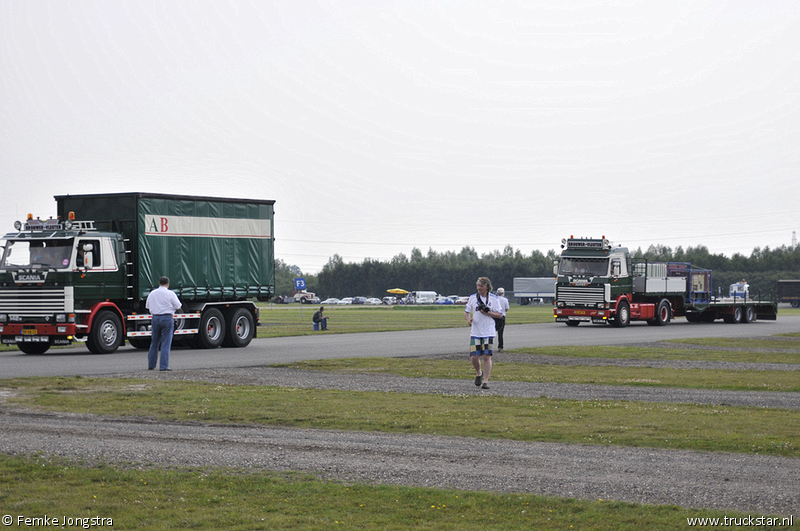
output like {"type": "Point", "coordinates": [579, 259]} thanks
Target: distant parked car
{"type": "Point", "coordinates": [346, 300]}
{"type": "Point", "coordinates": [373, 300]}
{"type": "Point", "coordinates": [444, 300]}
{"type": "Point", "coordinates": [390, 300]}
{"type": "Point", "coordinates": [359, 300]}
{"type": "Point", "coordinates": [462, 300]}
{"type": "Point", "coordinates": [332, 300]}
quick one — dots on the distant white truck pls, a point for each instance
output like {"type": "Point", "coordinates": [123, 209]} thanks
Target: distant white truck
{"type": "Point", "coordinates": [305, 297]}
{"type": "Point", "coordinates": [534, 290]}
{"type": "Point", "coordinates": [422, 297]}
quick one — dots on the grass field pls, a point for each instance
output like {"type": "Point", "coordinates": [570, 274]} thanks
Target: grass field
{"type": "Point", "coordinates": [138, 498]}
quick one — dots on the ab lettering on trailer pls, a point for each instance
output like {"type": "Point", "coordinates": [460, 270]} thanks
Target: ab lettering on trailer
{"type": "Point", "coordinates": [192, 226]}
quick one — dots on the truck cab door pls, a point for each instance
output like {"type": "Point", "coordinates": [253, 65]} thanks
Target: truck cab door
{"type": "Point", "coordinates": [96, 273]}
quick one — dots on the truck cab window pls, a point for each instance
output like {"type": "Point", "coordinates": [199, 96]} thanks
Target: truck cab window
{"type": "Point", "coordinates": [88, 254]}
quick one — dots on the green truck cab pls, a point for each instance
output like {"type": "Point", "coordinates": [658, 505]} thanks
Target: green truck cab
{"type": "Point", "coordinates": [85, 275]}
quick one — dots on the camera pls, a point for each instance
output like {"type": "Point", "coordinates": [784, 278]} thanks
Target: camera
{"type": "Point", "coordinates": [483, 308]}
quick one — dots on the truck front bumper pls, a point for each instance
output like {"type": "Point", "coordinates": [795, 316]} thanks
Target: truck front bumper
{"type": "Point", "coordinates": [55, 334]}
{"type": "Point", "coordinates": [564, 315]}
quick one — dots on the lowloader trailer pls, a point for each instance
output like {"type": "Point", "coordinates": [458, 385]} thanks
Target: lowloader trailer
{"type": "Point", "coordinates": [85, 275]}
{"type": "Point", "coordinates": [600, 284]}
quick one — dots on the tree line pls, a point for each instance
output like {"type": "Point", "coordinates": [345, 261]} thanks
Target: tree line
{"type": "Point", "coordinates": [454, 273]}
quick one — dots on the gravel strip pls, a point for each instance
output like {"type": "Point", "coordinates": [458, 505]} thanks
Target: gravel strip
{"type": "Point", "coordinates": [537, 359]}
{"type": "Point", "coordinates": [762, 484]}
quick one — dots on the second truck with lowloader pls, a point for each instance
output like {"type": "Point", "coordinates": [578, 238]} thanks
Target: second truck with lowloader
{"type": "Point", "coordinates": [85, 275]}
{"type": "Point", "coordinates": [601, 284]}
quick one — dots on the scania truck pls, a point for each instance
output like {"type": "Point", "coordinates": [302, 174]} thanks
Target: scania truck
{"type": "Point", "coordinates": [601, 284]}
{"type": "Point", "coordinates": [85, 275]}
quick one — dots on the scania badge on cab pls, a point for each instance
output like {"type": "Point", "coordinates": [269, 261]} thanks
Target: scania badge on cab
{"type": "Point", "coordinates": [85, 275]}
{"type": "Point", "coordinates": [599, 283]}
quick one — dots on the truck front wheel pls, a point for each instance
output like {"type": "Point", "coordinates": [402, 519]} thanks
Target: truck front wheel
{"type": "Point", "coordinates": [623, 317]}
{"type": "Point", "coordinates": [211, 331]}
{"type": "Point", "coordinates": [106, 334]}
{"type": "Point", "coordinates": [34, 348]}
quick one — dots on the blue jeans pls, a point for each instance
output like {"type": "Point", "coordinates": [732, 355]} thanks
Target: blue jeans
{"type": "Point", "coordinates": [163, 326]}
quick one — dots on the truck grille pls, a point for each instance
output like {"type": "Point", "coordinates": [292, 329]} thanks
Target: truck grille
{"type": "Point", "coordinates": [36, 302]}
{"type": "Point", "coordinates": [580, 295]}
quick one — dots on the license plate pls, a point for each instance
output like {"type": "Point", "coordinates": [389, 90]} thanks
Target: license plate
{"type": "Point", "coordinates": [29, 332]}
{"type": "Point", "coordinates": [580, 312]}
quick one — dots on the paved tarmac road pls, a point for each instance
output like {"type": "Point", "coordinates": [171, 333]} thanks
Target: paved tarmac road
{"type": "Point", "coordinates": [79, 361]}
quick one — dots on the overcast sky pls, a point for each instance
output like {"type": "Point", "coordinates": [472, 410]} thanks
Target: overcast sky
{"type": "Point", "coordinates": [381, 126]}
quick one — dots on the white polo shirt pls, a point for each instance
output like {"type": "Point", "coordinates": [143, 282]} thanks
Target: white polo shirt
{"type": "Point", "coordinates": [161, 301]}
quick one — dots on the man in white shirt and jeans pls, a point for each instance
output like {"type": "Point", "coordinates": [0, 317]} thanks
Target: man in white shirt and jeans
{"type": "Point", "coordinates": [500, 324]}
{"type": "Point", "coordinates": [162, 304]}
{"type": "Point", "coordinates": [480, 312]}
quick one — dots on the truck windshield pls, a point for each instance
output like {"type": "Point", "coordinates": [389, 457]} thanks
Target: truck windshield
{"type": "Point", "coordinates": [36, 254]}
{"type": "Point", "coordinates": [584, 266]}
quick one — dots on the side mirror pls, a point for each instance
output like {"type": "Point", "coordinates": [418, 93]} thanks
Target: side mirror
{"type": "Point", "coordinates": [555, 268]}
{"type": "Point", "coordinates": [84, 258]}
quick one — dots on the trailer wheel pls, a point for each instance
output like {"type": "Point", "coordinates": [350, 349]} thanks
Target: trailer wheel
{"type": "Point", "coordinates": [734, 317]}
{"type": "Point", "coordinates": [663, 314]}
{"type": "Point", "coordinates": [749, 314]}
{"type": "Point", "coordinates": [241, 328]}
{"type": "Point", "coordinates": [34, 348]}
{"type": "Point", "coordinates": [623, 317]}
{"type": "Point", "coordinates": [795, 304]}
{"type": "Point", "coordinates": [693, 317]}
{"type": "Point", "coordinates": [211, 331]}
{"type": "Point", "coordinates": [106, 334]}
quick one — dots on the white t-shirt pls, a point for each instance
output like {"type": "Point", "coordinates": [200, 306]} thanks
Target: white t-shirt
{"type": "Point", "coordinates": [482, 324]}
{"type": "Point", "coordinates": [503, 304]}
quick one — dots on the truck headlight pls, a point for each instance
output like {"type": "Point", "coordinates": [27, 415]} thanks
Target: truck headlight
{"type": "Point", "coordinates": [3, 317]}
{"type": "Point", "coordinates": [61, 329]}
{"type": "Point", "coordinates": [61, 318]}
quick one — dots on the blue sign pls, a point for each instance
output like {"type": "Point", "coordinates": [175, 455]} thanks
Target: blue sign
{"type": "Point", "coordinates": [299, 283]}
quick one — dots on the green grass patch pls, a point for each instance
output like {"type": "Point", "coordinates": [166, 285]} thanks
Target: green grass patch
{"type": "Point", "coordinates": [212, 499]}
{"type": "Point", "coordinates": [731, 380]}
{"type": "Point", "coordinates": [679, 426]}
{"type": "Point", "coordinates": [652, 353]}
{"type": "Point", "coordinates": [293, 320]}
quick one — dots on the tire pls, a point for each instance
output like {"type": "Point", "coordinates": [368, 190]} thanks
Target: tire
{"type": "Point", "coordinates": [734, 317]}
{"type": "Point", "coordinates": [573, 323]}
{"type": "Point", "coordinates": [795, 304]}
{"type": "Point", "coordinates": [34, 348]}
{"type": "Point", "coordinates": [106, 334]}
{"type": "Point", "coordinates": [623, 317]}
{"type": "Point", "coordinates": [749, 315]}
{"type": "Point", "coordinates": [142, 343]}
{"type": "Point", "coordinates": [211, 331]}
{"type": "Point", "coordinates": [663, 313]}
{"type": "Point", "coordinates": [241, 328]}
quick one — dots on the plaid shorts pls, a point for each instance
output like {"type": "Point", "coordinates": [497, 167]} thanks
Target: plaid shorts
{"type": "Point", "coordinates": [480, 346]}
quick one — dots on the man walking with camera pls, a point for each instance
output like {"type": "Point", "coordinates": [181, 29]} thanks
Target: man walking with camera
{"type": "Point", "coordinates": [480, 312]}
